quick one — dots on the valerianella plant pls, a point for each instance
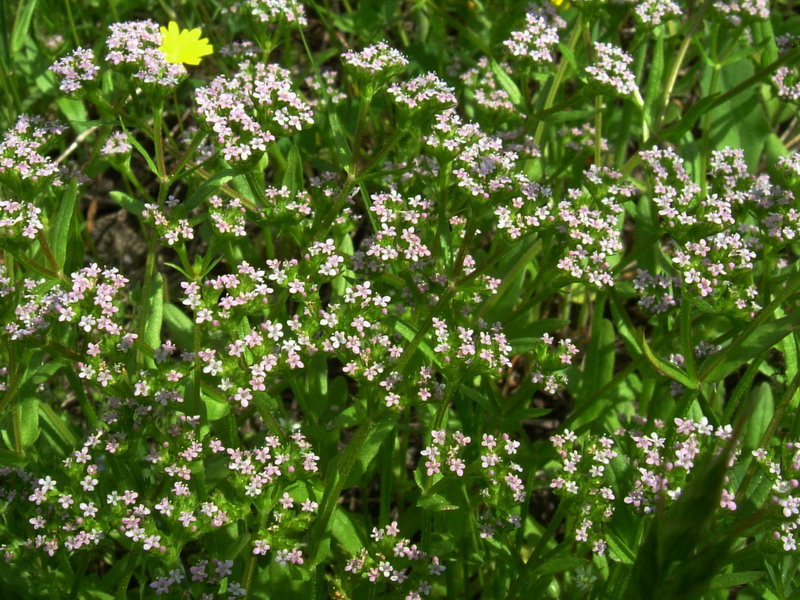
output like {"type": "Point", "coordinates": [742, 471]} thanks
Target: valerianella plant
{"type": "Point", "coordinates": [400, 300]}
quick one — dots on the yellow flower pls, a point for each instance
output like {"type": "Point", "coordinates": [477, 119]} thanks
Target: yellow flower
{"type": "Point", "coordinates": [559, 3]}
{"type": "Point", "coordinates": [184, 45]}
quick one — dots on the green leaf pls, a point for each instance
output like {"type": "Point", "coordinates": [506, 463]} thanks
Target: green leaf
{"type": "Point", "coordinates": [759, 420]}
{"type": "Point", "coordinates": [747, 346]}
{"type": "Point", "coordinates": [363, 447]}
{"type": "Point", "coordinates": [59, 427]}
{"type": "Point", "coordinates": [436, 503]}
{"type": "Point", "coordinates": [729, 580]}
{"type": "Point", "coordinates": [618, 550]}
{"type": "Point", "coordinates": [29, 421]}
{"type": "Point", "coordinates": [59, 235]}
{"type": "Point", "coordinates": [293, 176]}
{"type": "Point", "coordinates": [346, 531]}
{"type": "Point", "coordinates": [179, 326]}
{"type": "Point", "coordinates": [209, 186]}
{"type": "Point", "coordinates": [739, 122]}
{"type": "Point", "coordinates": [508, 85]}
{"type": "Point", "coordinates": [129, 203]}
{"type": "Point", "coordinates": [409, 333]}
{"type": "Point", "coordinates": [340, 145]}
{"type": "Point", "coordinates": [9, 458]}
{"type": "Point", "coordinates": [75, 111]}
{"type": "Point", "coordinates": [665, 368]}
{"type": "Point", "coordinates": [21, 26]}
{"type": "Point", "coordinates": [599, 363]}
{"type": "Point", "coordinates": [558, 565]}
{"type": "Point", "coordinates": [135, 143]}
{"type": "Point", "coordinates": [215, 409]}
{"type": "Point", "coordinates": [155, 313]}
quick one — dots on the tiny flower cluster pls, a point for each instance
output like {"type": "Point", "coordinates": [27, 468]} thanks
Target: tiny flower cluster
{"type": "Point", "coordinates": [611, 70]}
{"type": "Point", "coordinates": [659, 471]}
{"type": "Point", "coordinates": [133, 47]}
{"type": "Point", "coordinates": [75, 69]}
{"type": "Point", "coordinates": [19, 220]}
{"type": "Point", "coordinates": [656, 12]}
{"type": "Point", "coordinates": [245, 112]}
{"type": "Point", "coordinates": [21, 157]}
{"type": "Point", "coordinates": [536, 41]}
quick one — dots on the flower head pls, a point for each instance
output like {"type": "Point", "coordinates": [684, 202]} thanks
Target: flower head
{"type": "Point", "coordinates": [184, 45]}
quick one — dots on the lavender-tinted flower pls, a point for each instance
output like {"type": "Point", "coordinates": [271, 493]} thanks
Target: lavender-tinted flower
{"type": "Point", "coordinates": [116, 143]}
{"type": "Point", "coordinates": [530, 210]}
{"type": "Point", "coordinates": [273, 11]}
{"type": "Point", "coordinates": [227, 217]}
{"type": "Point", "coordinates": [75, 69]}
{"type": "Point", "coordinates": [737, 11]}
{"type": "Point", "coordinates": [536, 41]}
{"type": "Point", "coordinates": [484, 167]}
{"type": "Point", "coordinates": [589, 221]}
{"type": "Point", "coordinates": [21, 155]}
{"type": "Point", "coordinates": [423, 95]}
{"type": "Point", "coordinates": [169, 222]}
{"type": "Point", "coordinates": [787, 81]}
{"type": "Point", "coordinates": [482, 83]}
{"type": "Point", "coordinates": [19, 220]}
{"type": "Point", "coordinates": [581, 138]}
{"type": "Point", "coordinates": [655, 12]}
{"type": "Point", "coordinates": [657, 293]}
{"type": "Point", "coordinates": [334, 94]}
{"type": "Point", "coordinates": [133, 47]}
{"type": "Point", "coordinates": [673, 190]}
{"type": "Point", "coordinates": [247, 110]}
{"type": "Point", "coordinates": [240, 50]}
{"type": "Point", "coordinates": [611, 69]}
{"type": "Point", "coordinates": [378, 59]}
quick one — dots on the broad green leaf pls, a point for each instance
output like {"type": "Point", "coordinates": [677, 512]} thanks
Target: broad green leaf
{"type": "Point", "coordinates": [409, 333]}
{"type": "Point", "coordinates": [209, 186]}
{"type": "Point", "coordinates": [559, 565]}
{"type": "Point", "coordinates": [340, 145]}
{"type": "Point", "coordinates": [155, 313]}
{"type": "Point", "coordinates": [729, 580]}
{"type": "Point", "coordinates": [129, 203]}
{"type": "Point", "coordinates": [59, 236]}
{"type": "Point", "coordinates": [508, 85]}
{"type": "Point", "coordinates": [763, 409]}
{"type": "Point", "coordinates": [215, 409]}
{"type": "Point", "coordinates": [740, 121]}
{"type": "Point", "coordinates": [21, 26]}
{"type": "Point", "coordinates": [346, 531]}
{"type": "Point", "coordinates": [666, 368]}
{"type": "Point", "coordinates": [179, 326]}
{"type": "Point", "coordinates": [75, 111]}
{"type": "Point", "coordinates": [293, 176]}
{"type": "Point", "coordinates": [743, 349]}
{"type": "Point", "coordinates": [29, 421]}
{"type": "Point", "coordinates": [599, 364]}
{"type": "Point", "coordinates": [9, 458]}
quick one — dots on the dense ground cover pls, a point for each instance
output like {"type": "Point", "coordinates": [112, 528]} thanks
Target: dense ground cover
{"type": "Point", "coordinates": [389, 299]}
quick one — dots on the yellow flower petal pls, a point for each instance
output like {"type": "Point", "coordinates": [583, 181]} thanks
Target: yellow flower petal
{"type": "Point", "coordinates": [183, 45]}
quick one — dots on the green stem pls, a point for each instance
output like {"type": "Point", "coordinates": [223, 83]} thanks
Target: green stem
{"type": "Point", "coordinates": [694, 25]}
{"type": "Point", "coordinates": [158, 140]}
{"type": "Point", "coordinates": [130, 566]}
{"type": "Point", "coordinates": [563, 65]}
{"type": "Point", "coordinates": [71, 20]}
{"type": "Point", "coordinates": [363, 110]}
{"type": "Point", "coordinates": [598, 130]}
{"type": "Point", "coordinates": [196, 141]}
{"type": "Point", "coordinates": [48, 253]}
